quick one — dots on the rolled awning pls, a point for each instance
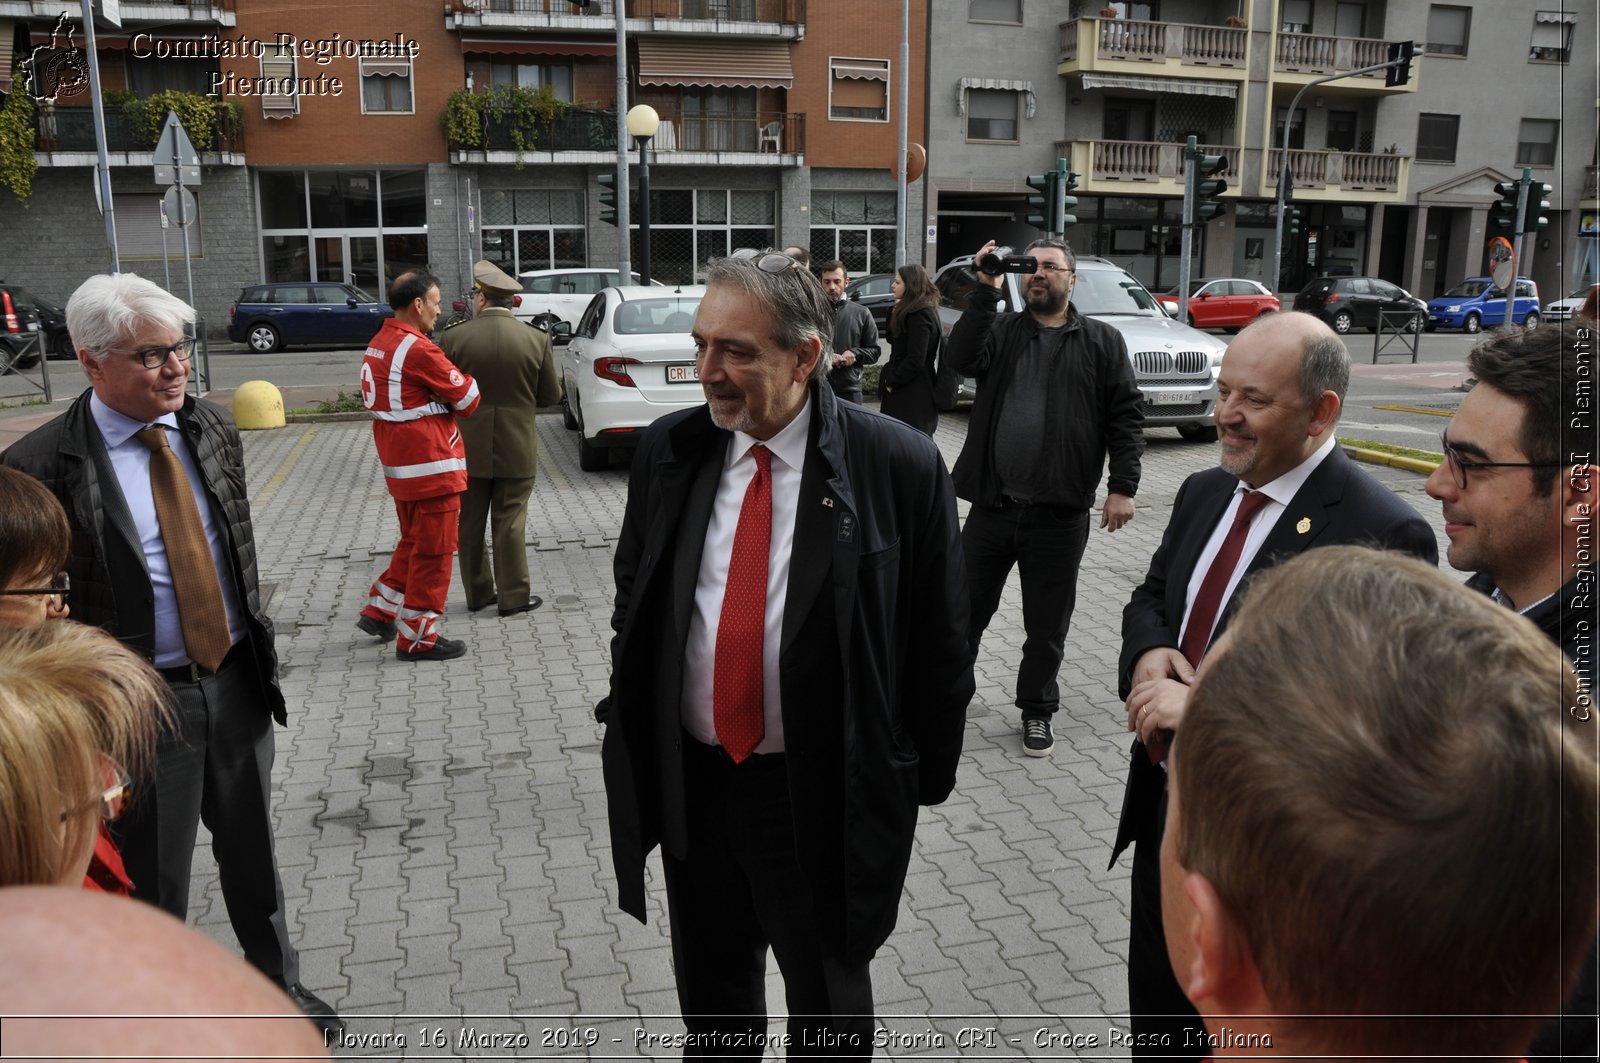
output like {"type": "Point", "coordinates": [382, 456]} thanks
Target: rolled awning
{"type": "Point", "coordinates": [517, 46]}
{"type": "Point", "coordinates": [1185, 86]}
{"type": "Point", "coordinates": [747, 64]}
{"type": "Point", "coordinates": [385, 67]}
{"type": "Point", "coordinates": [1000, 84]}
{"type": "Point", "coordinates": [5, 55]}
{"type": "Point", "coordinates": [864, 71]}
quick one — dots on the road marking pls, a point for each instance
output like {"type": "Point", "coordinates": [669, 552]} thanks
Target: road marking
{"type": "Point", "coordinates": [1401, 428]}
{"type": "Point", "coordinates": [1417, 409]}
{"type": "Point", "coordinates": [277, 479]}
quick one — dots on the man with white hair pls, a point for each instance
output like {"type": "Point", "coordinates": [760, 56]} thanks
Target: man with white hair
{"type": "Point", "coordinates": [164, 558]}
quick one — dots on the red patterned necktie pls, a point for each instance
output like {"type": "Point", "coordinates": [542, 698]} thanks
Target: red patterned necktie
{"type": "Point", "coordinates": [201, 614]}
{"type": "Point", "coordinates": [737, 698]}
{"type": "Point", "coordinates": [1203, 614]}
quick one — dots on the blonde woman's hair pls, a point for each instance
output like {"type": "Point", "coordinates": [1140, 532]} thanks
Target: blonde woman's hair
{"type": "Point", "coordinates": [69, 695]}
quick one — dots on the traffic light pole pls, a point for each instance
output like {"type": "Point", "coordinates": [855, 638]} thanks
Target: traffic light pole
{"type": "Point", "coordinates": [1186, 228]}
{"type": "Point", "coordinates": [1283, 165]}
{"type": "Point", "coordinates": [1517, 233]}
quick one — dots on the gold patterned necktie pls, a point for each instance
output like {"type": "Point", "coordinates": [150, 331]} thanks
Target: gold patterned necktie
{"type": "Point", "coordinates": [201, 614]}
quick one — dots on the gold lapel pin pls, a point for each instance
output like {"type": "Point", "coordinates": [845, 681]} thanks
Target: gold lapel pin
{"type": "Point", "coordinates": [1304, 525]}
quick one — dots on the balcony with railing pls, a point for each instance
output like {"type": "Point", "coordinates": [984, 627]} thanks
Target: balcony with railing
{"type": "Point", "coordinates": [1340, 176]}
{"type": "Point", "coordinates": [590, 135]}
{"type": "Point", "coordinates": [134, 12]}
{"type": "Point", "coordinates": [64, 136]}
{"type": "Point", "coordinates": [1298, 58]}
{"type": "Point", "coordinates": [1112, 167]}
{"type": "Point", "coordinates": [1160, 49]}
{"type": "Point", "coordinates": [774, 19]}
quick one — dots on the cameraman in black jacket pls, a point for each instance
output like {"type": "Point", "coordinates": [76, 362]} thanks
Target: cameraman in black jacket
{"type": "Point", "coordinates": [1056, 394]}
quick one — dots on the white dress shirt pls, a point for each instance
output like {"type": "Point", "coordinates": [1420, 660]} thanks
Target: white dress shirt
{"type": "Point", "coordinates": [1280, 493]}
{"type": "Point", "coordinates": [130, 460]}
{"type": "Point", "coordinates": [788, 449]}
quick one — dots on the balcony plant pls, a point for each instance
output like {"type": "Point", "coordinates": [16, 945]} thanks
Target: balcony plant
{"type": "Point", "coordinates": [208, 121]}
{"type": "Point", "coordinates": [17, 162]}
{"type": "Point", "coordinates": [470, 117]}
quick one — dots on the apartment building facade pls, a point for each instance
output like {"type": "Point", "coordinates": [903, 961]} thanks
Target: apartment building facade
{"type": "Point", "coordinates": [359, 139]}
{"type": "Point", "coordinates": [1395, 181]}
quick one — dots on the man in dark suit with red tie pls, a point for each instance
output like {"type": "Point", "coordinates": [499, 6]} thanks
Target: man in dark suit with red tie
{"type": "Point", "coordinates": [790, 672]}
{"type": "Point", "coordinates": [1283, 487]}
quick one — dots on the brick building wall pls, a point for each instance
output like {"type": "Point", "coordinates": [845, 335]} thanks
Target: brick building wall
{"type": "Point", "coordinates": [839, 28]}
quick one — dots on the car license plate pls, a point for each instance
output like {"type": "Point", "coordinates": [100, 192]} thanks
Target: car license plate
{"type": "Point", "coordinates": [683, 374]}
{"type": "Point", "coordinates": [1168, 398]}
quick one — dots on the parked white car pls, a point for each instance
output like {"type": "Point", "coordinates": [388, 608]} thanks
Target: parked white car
{"type": "Point", "coordinates": [551, 295]}
{"type": "Point", "coordinates": [629, 361]}
{"type": "Point", "coordinates": [1563, 309]}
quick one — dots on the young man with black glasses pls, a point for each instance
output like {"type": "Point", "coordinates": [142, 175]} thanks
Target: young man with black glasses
{"type": "Point", "coordinates": [1517, 490]}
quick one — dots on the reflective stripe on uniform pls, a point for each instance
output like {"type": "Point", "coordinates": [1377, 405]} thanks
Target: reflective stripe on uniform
{"type": "Point", "coordinates": [430, 410]}
{"type": "Point", "coordinates": [397, 366]}
{"type": "Point", "coordinates": [427, 468]}
{"type": "Point", "coordinates": [469, 398]}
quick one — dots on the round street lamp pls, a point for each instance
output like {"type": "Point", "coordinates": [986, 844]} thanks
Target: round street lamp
{"type": "Point", "coordinates": [643, 121]}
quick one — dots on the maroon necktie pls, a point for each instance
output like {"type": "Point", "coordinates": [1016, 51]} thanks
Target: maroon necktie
{"type": "Point", "coordinates": [737, 698]}
{"type": "Point", "coordinates": [1203, 614]}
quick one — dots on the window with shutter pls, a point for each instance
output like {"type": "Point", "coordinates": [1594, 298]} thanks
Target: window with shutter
{"type": "Point", "coordinates": [278, 65]}
{"type": "Point", "coordinates": [385, 84]}
{"type": "Point", "coordinates": [859, 89]}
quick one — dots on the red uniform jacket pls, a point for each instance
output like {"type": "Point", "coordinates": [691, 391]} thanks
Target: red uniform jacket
{"type": "Point", "coordinates": [414, 395]}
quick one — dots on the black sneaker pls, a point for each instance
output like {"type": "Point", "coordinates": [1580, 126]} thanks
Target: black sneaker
{"type": "Point", "coordinates": [316, 1009]}
{"type": "Point", "coordinates": [443, 649]}
{"type": "Point", "coordinates": [376, 628]}
{"type": "Point", "coordinates": [1037, 738]}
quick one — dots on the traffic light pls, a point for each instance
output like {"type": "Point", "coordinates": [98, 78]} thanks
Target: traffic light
{"type": "Point", "coordinates": [1533, 218]}
{"type": "Point", "coordinates": [1069, 181]}
{"type": "Point", "coordinates": [1504, 213]}
{"type": "Point", "coordinates": [1208, 187]}
{"type": "Point", "coordinates": [1291, 220]}
{"type": "Point", "coordinates": [1401, 54]}
{"type": "Point", "coordinates": [1042, 207]}
{"type": "Point", "coordinates": [608, 198]}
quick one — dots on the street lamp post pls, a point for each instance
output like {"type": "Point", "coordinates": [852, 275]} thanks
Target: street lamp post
{"type": "Point", "coordinates": [642, 125]}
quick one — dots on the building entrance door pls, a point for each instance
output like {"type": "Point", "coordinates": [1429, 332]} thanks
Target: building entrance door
{"type": "Point", "coordinates": [350, 259]}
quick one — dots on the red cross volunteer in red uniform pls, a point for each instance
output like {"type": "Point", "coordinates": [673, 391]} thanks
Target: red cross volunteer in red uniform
{"type": "Point", "coordinates": [414, 395]}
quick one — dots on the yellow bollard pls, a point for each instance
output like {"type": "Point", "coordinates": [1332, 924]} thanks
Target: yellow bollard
{"type": "Point", "coordinates": [258, 404]}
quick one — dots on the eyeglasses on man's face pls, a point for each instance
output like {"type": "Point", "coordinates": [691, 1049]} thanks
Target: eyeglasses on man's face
{"type": "Point", "coordinates": [766, 261]}
{"type": "Point", "coordinates": [1051, 267]}
{"type": "Point", "coordinates": [156, 357]}
{"type": "Point", "coordinates": [110, 800]}
{"type": "Point", "coordinates": [1460, 464]}
{"type": "Point", "coordinates": [60, 585]}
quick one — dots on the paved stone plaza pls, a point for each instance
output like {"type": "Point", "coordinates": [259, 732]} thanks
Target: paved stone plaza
{"type": "Point", "coordinates": [442, 827]}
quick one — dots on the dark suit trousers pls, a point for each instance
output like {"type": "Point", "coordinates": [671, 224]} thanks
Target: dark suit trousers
{"type": "Point", "coordinates": [217, 770]}
{"type": "Point", "coordinates": [739, 889]}
{"type": "Point", "coordinates": [1046, 544]}
{"type": "Point", "coordinates": [1163, 1020]}
{"type": "Point", "coordinates": [503, 505]}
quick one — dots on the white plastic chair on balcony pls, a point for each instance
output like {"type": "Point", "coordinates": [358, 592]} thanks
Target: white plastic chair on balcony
{"type": "Point", "coordinates": [772, 133]}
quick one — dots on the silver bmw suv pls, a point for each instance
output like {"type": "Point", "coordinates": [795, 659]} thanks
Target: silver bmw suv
{"type": "Point", "coordinates": [1175, 366]}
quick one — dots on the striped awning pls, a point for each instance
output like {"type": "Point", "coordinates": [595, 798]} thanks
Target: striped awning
{"type": "Point", "coordinates": [524, 46]}
{"type": "Point", "coordinates": [1184, 86]}
{"type": "Point", "coordinates": [5, 55]}
{"type": "Point", "coordinates": [843, 68]}
{"type": "Point", "coordinates": [716, 64]}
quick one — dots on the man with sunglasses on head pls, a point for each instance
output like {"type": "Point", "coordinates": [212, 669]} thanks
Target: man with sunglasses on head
{"type": "Point", "coordinates": [789, 674]}
{"type": "Point", "coordinates": [1517, 491]}
{"type": "Point", "coordinates": [1282, 486]}
{"type": "Point", "coordinates": [1056, 395]}
{"type": "Point", "coordinates": [164, 558]}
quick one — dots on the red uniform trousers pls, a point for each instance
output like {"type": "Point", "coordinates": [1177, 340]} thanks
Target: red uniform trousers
{"type": "Point", "coordinates": [413, 588]}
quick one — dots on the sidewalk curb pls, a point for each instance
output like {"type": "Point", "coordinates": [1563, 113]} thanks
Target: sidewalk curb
{"type": "Point", "coordinates": [1395, 461]}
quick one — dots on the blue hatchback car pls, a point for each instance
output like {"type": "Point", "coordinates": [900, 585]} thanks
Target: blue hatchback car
{"type": "Point", "coordinates": [1476, 304]}
{"type": "Point", "coordinates": [270, 316]}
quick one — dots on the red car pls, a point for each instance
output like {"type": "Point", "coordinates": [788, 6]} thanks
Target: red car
{"type": "Point", "coordinates": [1222, 302]}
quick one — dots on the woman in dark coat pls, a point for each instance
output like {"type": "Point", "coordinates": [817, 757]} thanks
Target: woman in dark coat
{"type": "Point", "coordinates": [906, 382]}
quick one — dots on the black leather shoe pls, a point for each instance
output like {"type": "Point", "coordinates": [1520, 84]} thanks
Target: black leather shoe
{"type": "Point", "coordinates": [442, 650]}
{"type": "Point", "coordinates": [376, 628]}
{"type": "Point", "coordinates": [533, 603]}
{"type": "Point", "coordinates": [316, 1009]}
